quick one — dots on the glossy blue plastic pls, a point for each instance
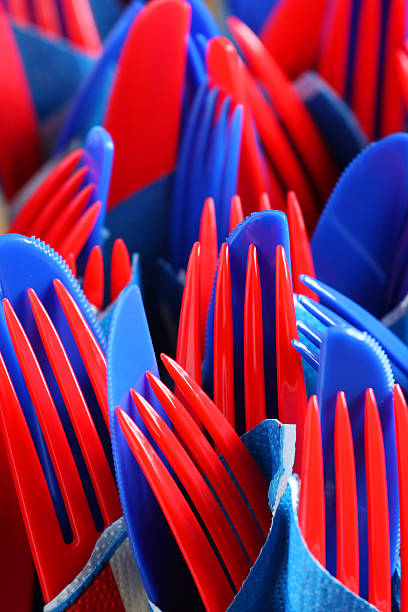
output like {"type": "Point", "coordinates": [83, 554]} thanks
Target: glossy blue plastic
{"type": "Point", "coordinates": [89, 104]}
{"type": "Point", "coordinates": [351, 361]}
{"type": "Point", "coordinates": [28, 263]}
{"type": "Point", "coordinates": [266, 230]}
{"type": "Point", "coordinates": [130, 354]}
{"type": "Point", "coordinates": [355, 315]}
{"type": "Point", "coordinates": [98, 157]}
{"type": "Point", "coordinates": [207, 167]}
{"type": "Point", "coordinates": [335, 120]}
{"type": "Point", "coordinates": [360, 243]}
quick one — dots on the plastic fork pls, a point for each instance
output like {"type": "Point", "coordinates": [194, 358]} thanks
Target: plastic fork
{"type": "Point", "coordinates": [236, 563]}
{"type": "Point", "coordinates": [353, 314]}
{"type": "Point", "coordinates": [57, 559]}
{"type": "Point", "coordinates": [312, 503]}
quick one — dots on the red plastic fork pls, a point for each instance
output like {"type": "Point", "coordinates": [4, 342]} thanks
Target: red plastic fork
{"type": "Point", "coordinates": [94, 278]}
{"type": "Point", "coordinates": [311, 503]}
{"type": "Point", "coordinates": [189, 348]}
{"type": "Point", "coordinates": [210, 465]}
{"type": "Point", "coordinates": [292, 401]}
{"type": "Point", "coordinates": [209, 255]}
{"type": "Point", "coordinates": [289, 107]}
{"type": "Point", "coordinates": [47, 189]}
{"type": "Point", "coordinates": [80, 24]}
{"type": "Point", "coordinates": [200, 494]}
{"type": "Point", "coordinates": [80, 232]}
{"type": "Point", "coordinates": [91, 353]}
{"type": "Point", "coordinates": [68, 216]}
{"type": "Point", "coordinates": [392, 108]}
{"type": "Point", "coordinates": [402, 61]}
{"type": "Point", "coordinates": [300, 251]}
{"type": "Point", "coordinates": [223, 368]}
{"type": "Point", "coordinates": [379, 582]}
{"type": "Point", "coordinates": [366, 65]}
{"type": "Point", "coordinates": [206, 570]}
{"type": "Point", "coordinates": [46, 16]}
{"type": "Point", "coordinates": [236, 214]}
{"type": "Point", "coordinates": [18, 9]}
{"type": "Point", "coordinates": [227, 441]}
{"type": "Point", "coordinates": [401, 425]}
{"type": "Point", "coordinates": [121, 269]}
{"type": "Point", "coordinates": [346, 498]}
{"type": "Point", "coordinates": [255, 407]}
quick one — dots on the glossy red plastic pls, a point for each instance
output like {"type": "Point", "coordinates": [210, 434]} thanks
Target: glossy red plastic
{"type": "Point", "coordinates": [300, 251]}
{"type": "Point", "coordinates": [98, 467]}
{"type": "Point", "coordinates": [239, 460]}
{"type": "Point", "coordinates": [43, 194]}
{"type": "Point", "coordinates": [280, 154]}
{"type": "Point", "coordinates": [208, 462]}
{"type": "Point", "coordinates": [346, 498]}
{"type": "Point", "coordinates": [146, 143]}
{"type": "Point", "coordinates": [46, 16]}
{"type": "Point", "coordinates": [18, 9]}
{"type": "Point", "coordinates": [292, 400]}
{"type": "Point", "coordinates": [91, 353]}
{"type": "Point", "coordinates": [264, 202]}
{"type": "Point", "coordinates": [366, 65]}
{"type": "Point", "coordinates": [223, 363]}
{"type": "Point", "coordinates": [57, 563]}
{"type": "Point", "coordinates": [226, 71]}
{"type": "Point", "coordinates": [333, 56]}
{"type": "Point", "coordinates": [208, 256]}
{"type": "Point", "coordinates": [94, 278]}
{"type": "Point", "coordinates": [20, 153]}
{"type": "Point", "coordinates": [189, 348]}
{"type": "Point", "coordinates": [205, 568]}
{"type": "Point", "coordinates": [56, 204]}
{"type": "Point", "coordinates": [80, 232]}
{"type": "Point", "coordinates": [311, 503]}
{"type": "Point", "coordinates": [255, 407]}
{"type": "Point", "coordinates": [402, 64]}
{"type": "Point", "coordinates": [379, 579]}
{"type": "Point", "coordinates": [289, 107]}
{"type": "Point", "coordinates": [198, 491]}
{"type": "Point", "coordinates": [54, 235]}
{"type": "Point", "coordinates": [70, 259]}
{"type": "Point", "coordinates": [236, 214]}
{"type": "Point", "coordinates": [401, 426]}
{"type": "Point", "coordinates": [80, 25]}
{"type": "Point", "coordinates": [121, 269]}
{"type": "Point", "coordinates": [392, 106]}
{"type": "Point", "coordinates": [291, 34]}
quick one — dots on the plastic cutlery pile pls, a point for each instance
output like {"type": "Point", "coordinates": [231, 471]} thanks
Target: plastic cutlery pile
{"type": "Point", "coordinates": [224, 185]}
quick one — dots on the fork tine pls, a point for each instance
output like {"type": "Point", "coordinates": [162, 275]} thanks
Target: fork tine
{"type": "Point", "coordinates": [57, 443]}
{"type": "Point", "coordinates": [94, 278]}
{"type": "Point", "coordinates": [292, 400]}
{"type": "Point", "coordinates": [211, 466]}
{"type": "Point", "coordinates": [310, 333]}
{"type": "Point", "coordinates": [121, 268]}
{"type": "Point", "coordinates": [44, 192]}
{"type": "Point", "coordinates": [46, 16]}
{"type": "Point", "coordinates": [402, 60]}
{"type": "Point", "coordinates": [210, 511]}
{"type": "Point", "coordinates": [311, 357]}
{"type": "Point", "coordinates": [18, 9]}
{"type": "Point", "coordinates": [208, 575]}
{"type": "Point", "coordinates": [401, 423]}
{"type": "Point", "coordinates": [34, 497]}
{"type": "Point", "coordinates": [346, 498]}
{"type": "Point", "coordinates": [81, 231]}
{"type": "Point", "coordinates": [311, 503]}
{"type": "Point", "coordinates": [91, 353]}
{"type": "Point", "coordinates": [70, 259]}
{"type": "Point", "coordinates": [255, 408]}
{"type": "Point", "coordinates": [223, 369]}
{"type": "Point", "coordinates": [264, 202]}
{"type": "Point", "coordinates": [52, 207]}
{"type": "Point", "coordinates": [329, 319]}
{"type": "Point", "coordinates": [209, 255]}
{"type": "Point", "coordinates": [236, 213]}
{"type": "Point", "coordinates": [80, 24]}
{"type": "Point", "coordinates": [188, 339]}
{"type": "Point", "coordinates": [379, 563]}
{"type": "Point", "coordinates": [89, 441]}
{"type": "Point", "coordinates": [55, 233]}
{"type": "Point", "coordinates": [239, 460]}
{"type": "Point", "coordinates": [300, 251]}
